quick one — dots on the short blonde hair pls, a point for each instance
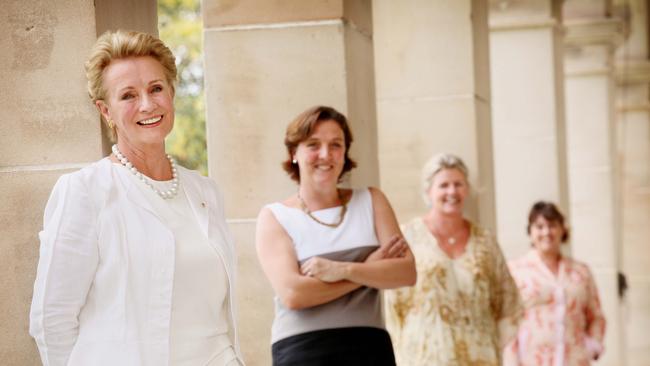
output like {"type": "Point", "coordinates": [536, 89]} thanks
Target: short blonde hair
{"type": "Point", "coordinates": [437, 163]}
{"type": "Point", "coordinates": [124, 44]}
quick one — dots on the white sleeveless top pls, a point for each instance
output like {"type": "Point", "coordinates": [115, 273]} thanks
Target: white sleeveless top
{"type": "Point", "coordinates": [352, 241]}
{"type": "Point", "coordinates": [199, 318]}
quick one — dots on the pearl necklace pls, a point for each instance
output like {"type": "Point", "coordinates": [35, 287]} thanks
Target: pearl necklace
{"type": "Point", "coordinates": [165, 194]}
{"type": "Point", "coordinates": [344, 209]}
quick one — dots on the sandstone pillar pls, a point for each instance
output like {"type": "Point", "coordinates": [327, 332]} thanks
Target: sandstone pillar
{"type": "Point", "coordinates": [633, 147]}
{"type": "Point", "coordinates": [527, 114]}
{"type": "Point", "coordinates": [265, 62]}
{"type": "Point", "coordinates": [433, 95]}
{"type": "Point", "coordinates": [591, 37]}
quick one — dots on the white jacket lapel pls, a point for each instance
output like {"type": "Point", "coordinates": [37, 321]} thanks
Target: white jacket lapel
{"type": "Point", "coordinates": [197, 199]}
{"type": "Point", "coordinates": [132, 192]}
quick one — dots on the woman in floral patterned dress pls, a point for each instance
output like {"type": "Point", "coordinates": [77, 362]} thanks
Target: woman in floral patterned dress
{"type": "Point", "coordinates": [464, 307]}
{"type": "Point", "coordinates": [563, 322]}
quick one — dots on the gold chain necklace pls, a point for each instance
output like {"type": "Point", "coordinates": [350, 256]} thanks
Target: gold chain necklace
{"type": "Point", "coordinates": [344, 209]}
{"type": "Point", "coordinates": [451, 239]}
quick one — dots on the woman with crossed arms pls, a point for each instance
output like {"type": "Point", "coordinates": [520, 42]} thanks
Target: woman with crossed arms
{"type": "Point", "coordinates": [327, 252]}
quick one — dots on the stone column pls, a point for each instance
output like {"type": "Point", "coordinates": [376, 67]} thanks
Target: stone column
{"type": "Point", "coordinates": [433, 95]}
{"type": "Point", "coordinates": [591, 37]}
{"type": "Point", "coordinates": [527, 114]}
{"type": "Point", "coordinates": [48, 127]}
{"type": "Point", "coordinates": [633, 147]}
{"type": "Point", "coordinates": [265, 62]}
{"type": "Point", "coordinates": [633, 125]}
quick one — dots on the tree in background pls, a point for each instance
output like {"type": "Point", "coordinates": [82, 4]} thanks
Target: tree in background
{"type": "Point", "coordinates": [180, 27]}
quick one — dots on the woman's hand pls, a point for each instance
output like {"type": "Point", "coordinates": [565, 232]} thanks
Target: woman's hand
{"type": "Point", "coordinates": [277, 257]}
{"type": "Point", "coordinates": [332, 271]}
{"type": "Point", "coordinates": [396, 247]}
{"type": "Point", "coordinates": [324, 269]}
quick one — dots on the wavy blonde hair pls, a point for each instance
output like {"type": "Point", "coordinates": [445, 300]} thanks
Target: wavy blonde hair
{"type": "Point", "coordinates": [437, 163]}
{"type": "Point", "coordinates": [122, 44]}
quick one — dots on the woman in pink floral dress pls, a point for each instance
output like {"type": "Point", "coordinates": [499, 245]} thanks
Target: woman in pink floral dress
{"type": "Point", "coordinates": [563, 323]}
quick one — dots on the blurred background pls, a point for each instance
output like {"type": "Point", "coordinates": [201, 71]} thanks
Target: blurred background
{"type": "Point", "coordinates": [180, 26]}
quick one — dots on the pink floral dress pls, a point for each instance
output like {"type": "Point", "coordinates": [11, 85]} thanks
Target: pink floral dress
{"type": "Point", "coordinates": [563, 323]}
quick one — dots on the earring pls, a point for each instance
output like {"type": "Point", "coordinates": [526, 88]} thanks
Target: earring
{"type": "Point", "coordinates": [294, 161]}
{"type": "Point", "coordinates": [111, 124]}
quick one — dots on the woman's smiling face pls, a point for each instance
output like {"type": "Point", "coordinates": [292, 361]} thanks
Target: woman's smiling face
{"type": "Point", "coordinates": [448, 191]}
{"type": "Point", "coordinates": [322, 155]}
{"type": "Point", "coordinates": [546, 235]}
{"type": "Point", "coordinates": [139, 100]}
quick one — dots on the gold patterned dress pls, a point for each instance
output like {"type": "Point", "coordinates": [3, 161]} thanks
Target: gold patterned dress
{"type": "Point", "coordinates": [461, 311]}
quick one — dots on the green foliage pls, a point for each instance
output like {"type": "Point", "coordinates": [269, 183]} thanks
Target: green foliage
{"type": "Point", "coordinates": [180, 27]}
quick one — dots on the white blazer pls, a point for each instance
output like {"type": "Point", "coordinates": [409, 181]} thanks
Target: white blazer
{"type": "Point", "coordinates": [103, 289]}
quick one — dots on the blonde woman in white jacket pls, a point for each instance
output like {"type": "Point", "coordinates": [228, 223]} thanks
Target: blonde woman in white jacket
{"type": "Point", "coordinates": [137, 265]}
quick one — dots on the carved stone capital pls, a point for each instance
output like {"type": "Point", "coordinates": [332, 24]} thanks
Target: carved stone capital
{"type": "Point", "coordinates": [586, 32]}
{"type": "Point", "coordinates": [632, 72]}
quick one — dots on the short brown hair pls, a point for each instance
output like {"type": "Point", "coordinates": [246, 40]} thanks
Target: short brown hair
{"type": "Point", "coordinates": [550, 212]}
{"type": "Point", "coordinates": [303, 126]}
{"type": "Point", "coordinates": [124, 44]}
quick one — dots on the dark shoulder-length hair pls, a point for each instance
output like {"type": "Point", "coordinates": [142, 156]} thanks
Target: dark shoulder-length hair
{"type": "Point", "coordinates": [303, 126]}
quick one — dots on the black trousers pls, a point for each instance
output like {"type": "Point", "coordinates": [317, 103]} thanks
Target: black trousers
{"type": "Point", "coordinates": [354, 346]}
